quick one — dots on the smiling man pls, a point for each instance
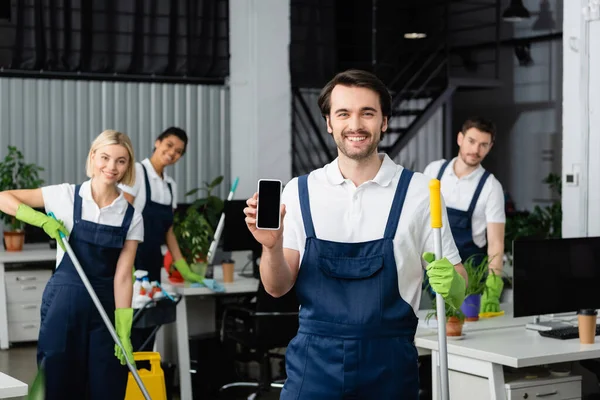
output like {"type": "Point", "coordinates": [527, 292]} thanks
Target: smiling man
{"type": "Point", "coordinates": [351, 245]}
{"type": "Point", "coordinates": [475, 202]}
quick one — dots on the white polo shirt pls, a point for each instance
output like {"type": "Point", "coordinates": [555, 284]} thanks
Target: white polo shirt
{"type": "Point", "coordinates": [342, 212]}
{"type": "Point", "coordinates": [458, 193]}
{"type": "Point", "coordinates": [60, 200]}
{"type": "Point", "coordinates": [158, 186]}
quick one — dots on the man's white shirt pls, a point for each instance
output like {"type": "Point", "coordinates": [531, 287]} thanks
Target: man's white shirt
{"type": "Point", "coordinates": [345, 213]}
{"type": "Point", "coordinates": [458, 192]}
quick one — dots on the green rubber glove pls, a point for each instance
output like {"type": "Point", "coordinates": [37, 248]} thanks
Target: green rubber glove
{"type": "Point", "coordinates": [51, 226]}
{"type": "Point", "coordinates": [490, 299]}
{"type": "Point", "coordinates": [187, 274]}
{"type": "Point", "coordinates": [123, 322]}
{"type": "Point", "coordinates": [444, 280]}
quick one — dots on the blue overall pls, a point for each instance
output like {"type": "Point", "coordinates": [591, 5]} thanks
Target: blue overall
{"type": "Point", "coordinates": [355, 337]}
{"type": "Point", "coordinates": [158, 219]}
{"type": "Point", "coordinates": [461, 224]}
{"type": "Point", "coordinates": [74, 345]}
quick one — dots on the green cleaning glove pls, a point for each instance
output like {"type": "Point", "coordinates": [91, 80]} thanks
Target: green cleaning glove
{"type": "Point", "coordinates": [123, 323]}
{"type": "Point", "coordinates": [37, 391]}
{"type": "Point", "coordinates": [444, 280]}
{"type": "Point", "coordinates": [51, 226]}
{"type": "Point", "coordinates": [490, 299]}
{"type": "Point", "coordinates": [184, 269]}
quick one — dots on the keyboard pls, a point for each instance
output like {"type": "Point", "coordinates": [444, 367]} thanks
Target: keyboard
{"type": "Point", "coordinates": [571, 332]}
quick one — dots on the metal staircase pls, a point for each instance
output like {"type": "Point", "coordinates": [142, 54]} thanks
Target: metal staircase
{"type": "Point", "coordinates": [420, 75]}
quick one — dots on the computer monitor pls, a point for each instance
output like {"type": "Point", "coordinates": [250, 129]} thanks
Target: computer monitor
{"type": "Point", "coordinates": [553, 276]}
{"type": "Point", "coordinates": [236, 235]}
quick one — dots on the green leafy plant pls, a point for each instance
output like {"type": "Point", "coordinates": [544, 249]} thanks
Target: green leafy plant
{"type": "Point", "coordinates": [476, 274]}
{"type": "Point", "coordinates": [16, 174]}
{"type": "Point", "coordinates": [451, 311]}
{"type": "Point", "coordinates": [541, 223]}
{"type": "Point", "coordinates": [195, 230]}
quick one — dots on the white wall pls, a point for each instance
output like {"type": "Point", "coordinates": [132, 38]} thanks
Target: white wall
{"type": "Point", "coordinates": [581, 121]}
{"type": "Point", "coordinates": [53, 122]}
{"type": "Point", "coordinates": [527, 111]}
{"type": "Point", "coordinates": [260, 86]}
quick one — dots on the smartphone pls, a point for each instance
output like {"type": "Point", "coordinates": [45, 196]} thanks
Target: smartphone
{"type": "Point", "coordinates": [268, 209]}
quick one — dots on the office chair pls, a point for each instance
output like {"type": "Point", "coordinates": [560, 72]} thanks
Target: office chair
{"type": "Point", "coordinates": [259, 328]}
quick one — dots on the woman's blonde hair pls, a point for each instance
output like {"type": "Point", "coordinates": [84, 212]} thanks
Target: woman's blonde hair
{"type": "Point", "coordinates": [107, 138]}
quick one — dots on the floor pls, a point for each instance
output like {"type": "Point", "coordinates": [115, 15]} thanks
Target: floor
{"type": "Point", "coordinates": [20, 363]}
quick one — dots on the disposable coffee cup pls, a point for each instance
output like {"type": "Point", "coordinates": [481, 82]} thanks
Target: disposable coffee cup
{"type": "Point", "coordinates": [228, 266]}
{"type": "Point", "coordinates": [587, 325]}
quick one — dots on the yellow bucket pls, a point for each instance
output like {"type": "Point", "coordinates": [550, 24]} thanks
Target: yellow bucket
{"type": "Point", "coordinates": [154, 380]}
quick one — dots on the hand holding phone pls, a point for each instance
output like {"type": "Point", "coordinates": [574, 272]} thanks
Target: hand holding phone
{"type": "Point", "coordinates": [268, 209]}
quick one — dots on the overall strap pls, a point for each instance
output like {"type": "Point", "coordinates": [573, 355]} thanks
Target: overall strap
{"type": "Point", "coordinates": [486, 175]}
{"type": "Point", "coordinates": [127, 219]}
{"type": "Point", "coordinates": [442, 169]}
{"type": "Point", "coordinates": [309, 228]}
{"type": "Point", "coordinates": [170, 191]}
{"type": "Point", "coordinates": [147, 182]}
{"type": "Point", "coordinates": [76, 205]}
{"type": "Point", "coordinates": [397, 203]}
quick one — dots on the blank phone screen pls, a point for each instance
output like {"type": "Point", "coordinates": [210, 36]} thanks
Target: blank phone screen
{"type": "Point", "coordinates": [269, 198]}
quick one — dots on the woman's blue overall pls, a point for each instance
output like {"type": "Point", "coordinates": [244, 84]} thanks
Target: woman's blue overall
{"type": "Point", "coordinates": [355, 339]}
{"type": "Point", "coordinates": [158, 218]}
{"type": "Point", "coordinates": [75, 347]}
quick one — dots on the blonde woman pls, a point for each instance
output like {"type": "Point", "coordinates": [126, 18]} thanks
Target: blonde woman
{"type": "Point", "coordinates": [74, 347]}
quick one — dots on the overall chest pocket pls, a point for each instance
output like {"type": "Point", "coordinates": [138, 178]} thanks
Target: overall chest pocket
{"type": "Point", "coordinates": [351, 268]}
{"type": "Point", "coordinates": [351, 289]}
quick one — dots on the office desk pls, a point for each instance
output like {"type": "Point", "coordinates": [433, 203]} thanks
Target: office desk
{"type": "Point", "coordinates": [21, 288]}
{"type": "Point", "coordinates": [429, 328]}
{"type": "Point", "coordinates": [240, 285]}
{"type": "Point", "coordinates": [11, 387]}
{"type": "Point", "coordinates": [483, 353]}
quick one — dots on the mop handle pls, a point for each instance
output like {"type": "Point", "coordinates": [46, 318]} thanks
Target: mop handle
{"type": "Point", "coordinates": [101, 310]}
{"type": "Point", "coordinates": [213, 246]}
{"type": "Point", "coordinates": [436, 224]}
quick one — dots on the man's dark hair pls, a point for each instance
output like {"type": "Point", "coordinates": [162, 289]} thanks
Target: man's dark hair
{"type": "Point", "coordinates": [174, 131]}
{"type": "Point", "coordinates": [481, 124]}
{"type": "Point", "coordinates": [356, 78]}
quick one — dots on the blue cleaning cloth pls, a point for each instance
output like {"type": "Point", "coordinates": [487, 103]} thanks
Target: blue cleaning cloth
{"type": "Point", "coordinates": [211, 284]}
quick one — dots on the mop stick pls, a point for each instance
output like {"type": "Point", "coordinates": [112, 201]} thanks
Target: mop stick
{"type": "Point", "coordinates": [100, 309]}
{"type": "Point", "coordinates": [436, 224]}
{"type": "Point", "coordinates": [213, 246]}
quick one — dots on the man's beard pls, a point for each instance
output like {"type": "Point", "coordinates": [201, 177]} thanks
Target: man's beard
{"type": "Point", "coordinates": [357, 156]}
{"type": "Point", "coordinates": [465, 159]}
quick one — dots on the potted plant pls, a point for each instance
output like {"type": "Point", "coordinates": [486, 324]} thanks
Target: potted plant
{"type": "Point", "coordinates": [455, 319]}
{"type": "Point", "coordinates": [195, 229]}
{"type": "Point", "coordinates": [477, 270]}
{"type": "Point", "coordinates": [16, 174]}
{"type": "Point", "coordinates": [541, 223]}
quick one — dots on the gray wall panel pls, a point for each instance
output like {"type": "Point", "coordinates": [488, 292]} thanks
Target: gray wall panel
{"type": "Point", "coordinates": [54, 122]}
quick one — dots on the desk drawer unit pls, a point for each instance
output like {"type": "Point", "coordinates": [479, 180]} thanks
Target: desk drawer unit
{"type": "Point", "coordinates": [567, 388]}
{"type": "Point", "coordinates": [24, 290]}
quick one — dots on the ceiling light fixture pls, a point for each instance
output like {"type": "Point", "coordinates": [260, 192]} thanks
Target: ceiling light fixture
{"type": "Point", "coordinates": [544, 21]}
{"type": "Point", "coordinates": [415, 35]}
{"type": "Point", "coordinates": [515, 12]}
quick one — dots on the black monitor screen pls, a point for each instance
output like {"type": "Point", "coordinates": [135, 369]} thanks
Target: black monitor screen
{"type": "Point", "coordinates": [236, 236]}
{"type": "Point", "coordinates": [554, 276]}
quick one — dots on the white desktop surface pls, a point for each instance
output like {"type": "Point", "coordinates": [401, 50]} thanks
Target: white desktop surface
{"type": "Point", "coordinates": [11, 387]}
{"type": "Point", "coordinates": [31, 253]}
{"type": "Point", "coordinates": [240, 284]}
{"type": "Point", "coordinates": [515, 347]}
